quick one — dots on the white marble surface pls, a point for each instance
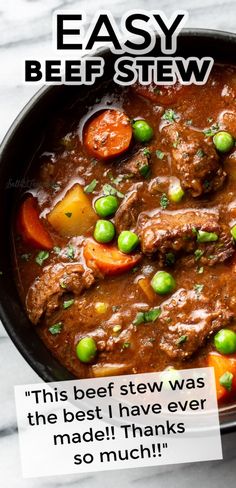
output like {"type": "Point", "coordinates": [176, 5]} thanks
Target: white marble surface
{"type": "Point", "coordinates": [25, 31]}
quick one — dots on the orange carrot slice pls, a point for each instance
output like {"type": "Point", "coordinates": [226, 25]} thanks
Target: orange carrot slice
{"type": "Point", "coordinates": [108, 135]}
{"type": "Point", "coordinates": [108, 259]}
{"type": "Point", "coordinates": [145, 286]}
{"type": "Point", "coordinates": [223, 364]}
{"type": "Point", "coordinates": [30, 226]}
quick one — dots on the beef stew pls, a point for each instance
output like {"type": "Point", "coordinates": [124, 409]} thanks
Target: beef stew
{"type": "Point", "coordinates": [124, 247]}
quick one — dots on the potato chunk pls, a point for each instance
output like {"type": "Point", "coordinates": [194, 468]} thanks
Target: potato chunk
{"type": "Point", "coordinates": [73, 215]}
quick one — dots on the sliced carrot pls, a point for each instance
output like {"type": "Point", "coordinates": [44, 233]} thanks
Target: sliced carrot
{"type": "Point", "coordinates": [108, 259]}
{"type": "Point", "coordinates": [108, 135]}
{"type": "Point", "coordinates": [145, 286]}
{"type": "Point", "coordinates": [30, 226]}
{"type": "Point", "coordinates": [223, 364]}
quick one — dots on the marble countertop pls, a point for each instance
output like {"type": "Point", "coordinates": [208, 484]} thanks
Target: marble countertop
{"type": "Point", "coordinates": [25, 27]}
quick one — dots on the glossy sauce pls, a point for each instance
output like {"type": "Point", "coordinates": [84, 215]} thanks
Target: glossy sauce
{"type": "Point", "coordinates": [64, 162]}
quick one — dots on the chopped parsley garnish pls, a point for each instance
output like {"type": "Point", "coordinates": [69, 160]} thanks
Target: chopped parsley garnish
{"type": "Point", "coordinates": [200, 270]}
{"type": "Point", "coordinates": [164, 201]}
{"type": "Point", "coordinates": [70, 251]}
{"type": "Point", "coordinates": [203, 236]}
{"type": "Point", "coordinates": [189, 122]}
{"type": "Point", "coordinates": [198, 254]}
{"type": "Point", "coordinates": [110, 190]}
{"type": "Point", "coordinates": [176, 142]}
{"type": "Point", "coordinates": [170, 115]}
{"type": "Point", "coordinates": [211, 131]}
{"type": "Point", "coordinates": [55, 186]}
{"type": "Point", "coordinates": [206, 184]}
{"type": "Point", "coordinates": [159, 154]}
{"type": "Point", "coordinates": [117, 180]}
{"type": "Point", "coordinates": [117, 328]}
{"type": "Point", "coordinates": [121, 178]}
{"type": "Point", "coordinates": [91, 187]}
{"type": "Point", "coordinates": [200, 153]}
{"type": "Point", "coordinates": [226, 380]}
{"type": "Point", "coordinates": [63, 284]}
{"type": "Point", "coordinates": [68, 214]}
{"type": "Point", "coordinates": [25, 257]}
{"type": "Point", "coordinates": [169, 258]}
{"type": "Point", "coordinates": [156, 90]}
{"type": "Point", "coordinates": [56, 328]}
{"type": "Point", "coordinates": [198, 288]}
{"type": "Point", "coordinates": [41, 257]}
{"type": "Point", "coordinates": [57, 249]}
{"type": "Point", "coordinates": [144, 170]}
{"type": "Point", "coordinates": [126, 345]}
{"type": "Point", "coordinates": [146, 152]}
{"type": "Point", "coordinates": [68, 303]}
{"type": "Point", "coordinates": [181, 340]}
{"type": "Point", "coordinates": [149, 316]}
{"type": "Point", "coordinates": [109, 174]}
{"type": "Point", "coordinates": [115, 308]}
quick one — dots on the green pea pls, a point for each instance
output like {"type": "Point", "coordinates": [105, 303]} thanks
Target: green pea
{"type": "Point", "coordinates": [142, 131]}
{"type": "Point", "coordinates": [127, 241]}
{"type": "Point", "coordinates": [104, 231]}
{"type": "Point", "coordinates": [86, 349]}
{"type": "Point", "coordinates": [163, 282]}
{"type": "Point", "coordinates": [223, 141]}
{"type": "Point", "coordinates": [106, 206]}
{"type": "Point", "coordinates": [176, 193]}
{"type": "Point", "coordinates": [233, 232]}
{"type": "Point", "coordinates": [225, 341]}
{"type": "Point", "coordinates": [203, 236]}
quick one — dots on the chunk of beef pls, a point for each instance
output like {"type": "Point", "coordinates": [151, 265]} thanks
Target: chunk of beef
{"type": "Point", "coordinates": [177, 232]}
{"type": "Point", "coordinates": [137, 165]}
{"type": "Point", "coordinates": [228, 122]}
{"type": "Point", "coordinates": [127, 213]}
{"type": "Point", "coordinates": [45, 293]}
{"type": "Point", "coordinates": [188, 319]}
{"type": "Point", "coordinates": [195, 160]}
